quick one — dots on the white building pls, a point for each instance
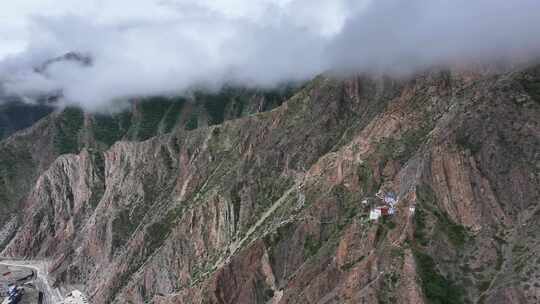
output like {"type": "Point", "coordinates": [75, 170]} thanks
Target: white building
{"type": "Point", "coordinates": [75, 297]}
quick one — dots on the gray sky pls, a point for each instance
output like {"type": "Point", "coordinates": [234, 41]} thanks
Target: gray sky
{"type": "Point", "coordinates": [148, 47]}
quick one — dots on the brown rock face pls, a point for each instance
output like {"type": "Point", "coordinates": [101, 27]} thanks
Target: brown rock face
{"type": "Point", "coordinates": [268, 208]}
{"type": "Point", "coordinates": [71, 180]}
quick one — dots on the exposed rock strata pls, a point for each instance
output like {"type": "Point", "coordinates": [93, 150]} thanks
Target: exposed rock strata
{"type": "Point", "coordinates": [266, 208]}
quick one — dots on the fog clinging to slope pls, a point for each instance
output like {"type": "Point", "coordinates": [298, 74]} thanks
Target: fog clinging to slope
{"type": "Point", "coordinates": [167, 47]}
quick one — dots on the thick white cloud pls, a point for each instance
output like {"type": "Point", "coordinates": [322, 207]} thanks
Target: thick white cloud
{"type": "Point", "coordinates": [148, 47]}
{"type": "Point", "coordinates": [404, 35]}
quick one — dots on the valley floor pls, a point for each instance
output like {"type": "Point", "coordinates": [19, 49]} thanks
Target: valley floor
{"type": "Point", "coordinates": [31, 276]}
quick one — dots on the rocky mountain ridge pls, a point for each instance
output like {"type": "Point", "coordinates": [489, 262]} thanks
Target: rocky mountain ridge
{"type": "Point", "coordinates": [267, 208]}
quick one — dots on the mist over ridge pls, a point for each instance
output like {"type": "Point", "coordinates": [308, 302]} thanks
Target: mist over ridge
{"type": "Point", "coordinates": [170, 47]}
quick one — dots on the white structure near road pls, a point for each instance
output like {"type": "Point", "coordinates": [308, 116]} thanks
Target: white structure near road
{"type": "Point", "coordinates": [75, 297]}
{"type": "Point", "coordinates": [375, 214]}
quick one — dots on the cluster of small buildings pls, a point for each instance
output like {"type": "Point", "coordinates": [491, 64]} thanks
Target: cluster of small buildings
{"type": "Point", "coordinates": [387, 208]}
{"type": "Point", "coordinates": [386, 205]}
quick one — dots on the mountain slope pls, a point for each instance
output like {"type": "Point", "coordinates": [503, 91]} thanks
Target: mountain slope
{"type": "Point", "coordinates": [28, 153]}
{"type": "Point", "coordinates": [267, 208]}
{"type": "Point", "coordinates": [15, 116]}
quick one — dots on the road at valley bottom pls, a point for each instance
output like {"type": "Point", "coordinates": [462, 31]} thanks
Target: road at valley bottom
{"type": "Point", "coordinates": [40, 279]}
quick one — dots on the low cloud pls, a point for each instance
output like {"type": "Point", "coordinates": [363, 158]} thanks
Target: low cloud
{"type": "Point", "coordinates": [167, 47]}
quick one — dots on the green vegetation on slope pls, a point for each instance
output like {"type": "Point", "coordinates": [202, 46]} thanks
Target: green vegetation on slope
{"type": "Point", "coordinates": [437, 288]}
{"type": "Point", "coordinates": [455, 233]}
{"type": "Point", "coordinates": [533, 88]}
{"type": "Point", "coordinates": [108, 129]}
{"type": "Point", "coordinates": [69, 124]}
{"type": "Point", "coordinates": [433, 225]}
{"type": "Point", "coordinates": [173, 114]}
{"type": "Point", "coordinates": [15, 116]}
{"type": "Point", "coordinates": [234, 102]}
{"type": "Point", "coordinates": [468, 141]}
{"type": "Point", "coordinates": [215, 105]}
{"type": "Point", "coordinates": [403, 148]}
{"type": "Point", "coordinates": [152, 112]}
{"type": "Point", "coordinates": [15, 168]}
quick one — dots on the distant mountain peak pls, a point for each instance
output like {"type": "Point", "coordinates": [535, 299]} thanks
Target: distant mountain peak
{"type": "Point", "coordinates": [84, 60]}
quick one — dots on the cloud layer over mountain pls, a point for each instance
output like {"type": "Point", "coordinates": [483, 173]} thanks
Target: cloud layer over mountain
{"type": "Point", "coordinates": [153, 47]}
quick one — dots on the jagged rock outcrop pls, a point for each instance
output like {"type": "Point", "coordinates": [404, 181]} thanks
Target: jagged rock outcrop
{"type": "Point", "coordinates": [28, 153]}
{"type": "Point", "coordinates": [267, 208]}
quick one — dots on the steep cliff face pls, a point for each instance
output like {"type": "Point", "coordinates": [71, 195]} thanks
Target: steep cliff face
{"type": "Point", "coordinates": [268, 208]}
{"type": "Point", "coordinates": [27, 154]}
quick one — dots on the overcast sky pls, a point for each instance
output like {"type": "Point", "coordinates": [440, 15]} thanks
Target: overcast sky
{"type": "Point", "coordinates": [147, 47]}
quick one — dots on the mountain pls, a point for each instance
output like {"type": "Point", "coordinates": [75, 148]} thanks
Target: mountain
{"type": "Point", "coordinates": [271, 204]}
{"type": "Point", "coordinates": [16, 115]}
{"type": "Point", "coordinates": [70, 57]}
{"type": "Point", "coordinates": [28, 153]}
